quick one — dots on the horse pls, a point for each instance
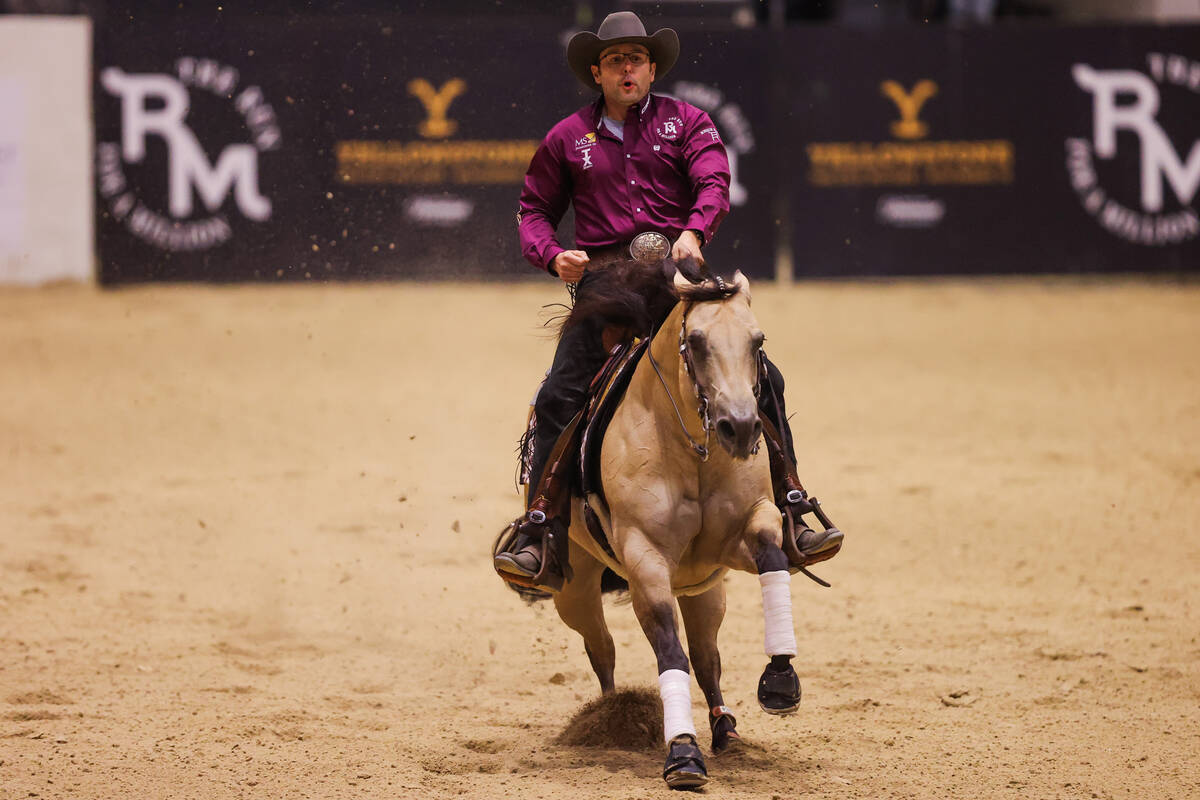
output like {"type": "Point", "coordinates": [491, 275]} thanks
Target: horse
{"type": "Point", "coordinates": [679, 513]}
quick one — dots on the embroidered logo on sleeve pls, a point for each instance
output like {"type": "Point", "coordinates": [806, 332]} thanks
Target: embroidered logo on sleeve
{"type": "Point", "coordinates": [710, 131]}
{"type": "Point", "coordinates": [670, 129]}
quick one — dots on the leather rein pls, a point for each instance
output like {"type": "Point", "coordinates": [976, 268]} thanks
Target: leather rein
{"type": "Point", "coordinates": [701, 398]}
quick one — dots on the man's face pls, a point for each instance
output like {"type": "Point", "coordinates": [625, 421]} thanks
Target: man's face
{"type": "Point", "coordinates": [621, 80]}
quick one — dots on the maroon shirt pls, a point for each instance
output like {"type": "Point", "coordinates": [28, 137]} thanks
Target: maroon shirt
{"type": "Point", "coordinates": [669, 174]}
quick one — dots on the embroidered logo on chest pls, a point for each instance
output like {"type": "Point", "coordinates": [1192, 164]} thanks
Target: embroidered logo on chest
{"type": "Point", "coordinates": [583, 146]}
{"type": "Point", "coordinates": [670, 129]}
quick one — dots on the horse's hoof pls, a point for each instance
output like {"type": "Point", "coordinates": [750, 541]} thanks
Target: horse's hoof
{"type": "Point", "coordinates": [685, 764]}
{"type": "Point", "coordinates": [723, 725]}
{"type": "Point", "coordinates": [779, 691]}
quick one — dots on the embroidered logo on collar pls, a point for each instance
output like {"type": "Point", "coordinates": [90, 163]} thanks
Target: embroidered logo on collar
{"type": "Point", "coordinates": [670, 129]}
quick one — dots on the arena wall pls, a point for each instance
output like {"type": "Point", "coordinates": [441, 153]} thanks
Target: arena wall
{"type": "Point", "coordinates": [394, 146]}
{"type": "Point", "coordinates": [46, 210]}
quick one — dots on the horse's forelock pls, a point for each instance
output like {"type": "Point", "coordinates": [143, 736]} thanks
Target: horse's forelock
{"type": "Point", "coordinates": [700, 284]}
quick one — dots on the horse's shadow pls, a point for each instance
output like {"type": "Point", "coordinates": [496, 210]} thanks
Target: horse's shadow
{"type": "Point", "coordinates": [622, 731]}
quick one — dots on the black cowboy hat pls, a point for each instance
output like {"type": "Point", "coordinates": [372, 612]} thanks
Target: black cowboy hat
{"type": "Point", "coordinates": [621, 27]}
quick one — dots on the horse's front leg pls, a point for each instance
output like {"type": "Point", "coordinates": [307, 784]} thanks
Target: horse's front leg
{"type": "Point", "coordinates": [702, 615]}
{"type": "Point", "coordinates": [654, 604]}
{"type": "Point", "coordinates": [779, 686]}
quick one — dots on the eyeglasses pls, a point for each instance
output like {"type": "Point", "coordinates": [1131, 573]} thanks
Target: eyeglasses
{"type": "Point", "coordinates": [617, 60]}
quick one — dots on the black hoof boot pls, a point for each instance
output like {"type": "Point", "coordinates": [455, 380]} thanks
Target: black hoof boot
{"type": "Point", "coordinates": [779, 688]}
{"type": "Point", "coordinates": [685, 764]}
{"type": "Point", "coordinates": [723, 725]}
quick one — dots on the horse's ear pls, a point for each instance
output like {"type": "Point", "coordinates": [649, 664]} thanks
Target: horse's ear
{"type": "Point", "coordinates": [742, 284]}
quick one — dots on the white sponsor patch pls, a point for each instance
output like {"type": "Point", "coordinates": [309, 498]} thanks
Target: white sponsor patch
{"type": "Point", "coordinates": [670, 129]}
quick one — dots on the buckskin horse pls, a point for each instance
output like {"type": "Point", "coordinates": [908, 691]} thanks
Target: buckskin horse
{"type": "Point", "coordinates": [676, 514]}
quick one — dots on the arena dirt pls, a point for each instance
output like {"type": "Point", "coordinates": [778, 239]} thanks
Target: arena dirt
{"type": "Point", "coordinates": [244, 534]}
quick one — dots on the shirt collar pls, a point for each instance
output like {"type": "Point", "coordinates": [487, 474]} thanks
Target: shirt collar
{"type": "Point", "coordinates": [599, 112]}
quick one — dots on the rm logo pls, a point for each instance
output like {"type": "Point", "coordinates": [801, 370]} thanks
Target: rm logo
{"type": "Point", "coordinates": [909, 105]}
{"type": "Point", "coordinates": [437, 103]}
{"type": "Point", "coordinates": [1128, 100]}
{"type": "Point", "coordinates": [1159, 159]}
{"type": "Point", "coordinates": [157, 105]}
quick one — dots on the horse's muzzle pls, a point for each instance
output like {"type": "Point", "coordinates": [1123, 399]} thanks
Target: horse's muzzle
{"type": "Point", "coordinates": [739, 435]}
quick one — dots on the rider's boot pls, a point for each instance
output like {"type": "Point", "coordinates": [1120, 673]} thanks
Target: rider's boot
{"type": "Point", "coordinates": [534, 551]}
{"type": "Point", "coordinates": [803, 545]}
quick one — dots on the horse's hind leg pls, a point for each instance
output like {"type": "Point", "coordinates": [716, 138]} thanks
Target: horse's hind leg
{"type": "Point", "coordinates": [702, 615]}
{"type": "Point", "coordinates": [579, 605]}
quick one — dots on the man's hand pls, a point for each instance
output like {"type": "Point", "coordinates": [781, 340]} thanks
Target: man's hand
{"type": "Point", "coordinates": [570, 264]}
{"type": "Point", "coordinates": [688, 244]}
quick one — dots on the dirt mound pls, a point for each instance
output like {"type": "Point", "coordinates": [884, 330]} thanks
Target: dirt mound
{"type": "Point", "coordinates": [627, 719]}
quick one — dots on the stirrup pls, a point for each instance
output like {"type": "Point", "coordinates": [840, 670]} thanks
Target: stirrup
{"type": "Point", "coordinates": [549, 577]}
{"type": "Point", "coordinates": [804, 546]}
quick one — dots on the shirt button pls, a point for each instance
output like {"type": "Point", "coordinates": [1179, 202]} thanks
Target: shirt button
{"type": "Point", "coordinates": [639, 209]}
{"type": "Point", "coordinates": [633, 181]}
{"type": "Point", "coordinates": [629, 155]}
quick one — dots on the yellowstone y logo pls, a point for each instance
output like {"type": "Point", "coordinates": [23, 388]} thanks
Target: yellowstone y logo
{"type": "Point", "coordinates": [909, 105]}
{"type": "Point", "coordinates": [1131, 101]}
{"type": "Point", "coordinates": [437, 103]}
{"type": "Point", "coordinates": [436, 158]}
{"type": "Point", "coordinates": [910, 160]}
{"type": "Point", "coordinates": [157, 106]}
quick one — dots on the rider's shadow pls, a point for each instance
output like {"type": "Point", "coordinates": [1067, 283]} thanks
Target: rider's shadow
{"type": "Point", "coordinates": [623, 732]}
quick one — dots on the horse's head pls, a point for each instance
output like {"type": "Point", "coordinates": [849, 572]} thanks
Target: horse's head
{"type": "Point", "coordinates": [720, 343]}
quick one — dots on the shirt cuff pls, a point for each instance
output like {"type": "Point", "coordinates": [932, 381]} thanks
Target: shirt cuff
{"type": "Point", "coordinates": [552, 253]}
{"type": "Point", "coordinates": [697, 223]}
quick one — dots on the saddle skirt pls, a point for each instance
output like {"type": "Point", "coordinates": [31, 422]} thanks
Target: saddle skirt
{"type": "Point", "coordinates": [604, 395]}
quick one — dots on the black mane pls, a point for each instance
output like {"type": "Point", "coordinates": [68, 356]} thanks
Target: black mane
{"type": "Point", "coordinates": [639, 297]}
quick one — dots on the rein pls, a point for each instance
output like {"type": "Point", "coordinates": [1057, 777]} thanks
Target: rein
{"type": "Point", "coordinates": [700, 449]}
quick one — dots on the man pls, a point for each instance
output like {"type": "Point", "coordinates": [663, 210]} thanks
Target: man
{"type": "Point", "coordinates": [631, 162]}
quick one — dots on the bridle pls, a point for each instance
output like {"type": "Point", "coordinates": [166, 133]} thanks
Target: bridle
{"type": "Point", "coordinates": [702, 403]}
{"type": "Point", "coordinates": [701, 397]}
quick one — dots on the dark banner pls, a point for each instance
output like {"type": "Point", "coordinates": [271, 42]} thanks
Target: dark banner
{"type": "Point", "coordinates": [265, 148]}
{"type": "Point", "coordinates": [993, 150]}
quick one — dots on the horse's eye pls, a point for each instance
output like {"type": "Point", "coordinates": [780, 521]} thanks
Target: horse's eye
{"type": "Point", "coordinates": [697, 342]}
{"type": "Point", "coordinates": [756, 341]}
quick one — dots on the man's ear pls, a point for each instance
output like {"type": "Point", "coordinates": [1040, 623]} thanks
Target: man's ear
{"type": "Point", "coordinates": [595, 73]}
{"type": "Point", "coordinates": [652, 68]}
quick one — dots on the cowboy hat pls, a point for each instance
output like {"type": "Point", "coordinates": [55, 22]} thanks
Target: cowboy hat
{"type": "Point", "coordinates": [621, 27]}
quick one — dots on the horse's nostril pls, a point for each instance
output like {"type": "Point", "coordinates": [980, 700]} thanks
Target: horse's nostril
{"type": "Point", "coordinates": [725, 430]}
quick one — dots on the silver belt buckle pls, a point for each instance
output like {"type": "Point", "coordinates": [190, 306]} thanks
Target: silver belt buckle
{"type": "Point", "coordinates": [649, 247]}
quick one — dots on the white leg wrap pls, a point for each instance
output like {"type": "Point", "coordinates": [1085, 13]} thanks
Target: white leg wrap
{"type": "Point", "coordinates": [780, 636]}
{"type": "Point", "coordinates": [675, 688]}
